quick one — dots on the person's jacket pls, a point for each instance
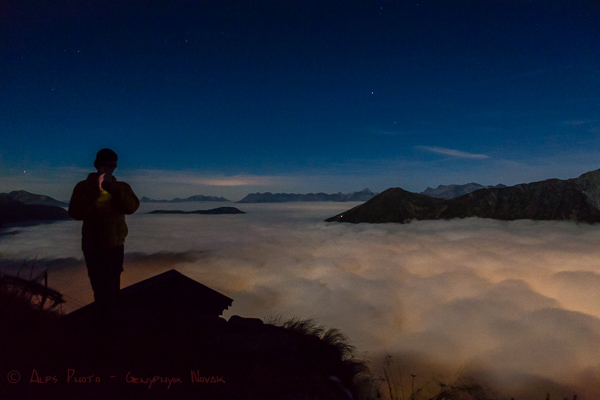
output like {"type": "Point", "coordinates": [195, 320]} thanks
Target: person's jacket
{"type": "Point", "coordinates": [102, 211]}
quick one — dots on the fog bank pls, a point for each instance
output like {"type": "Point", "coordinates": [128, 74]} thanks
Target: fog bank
{"type": "Point", "coordinates": [515, 304]}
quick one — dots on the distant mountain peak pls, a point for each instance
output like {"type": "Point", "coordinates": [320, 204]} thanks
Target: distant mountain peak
{"type": "Point", "coordinates": [214, 211]}
{"type": "Point", "coordinates": [451, 191]}
{"type": "Point", "coordinates": [197, 197]}
{"type": "Point", "coordinates": [269, 197]}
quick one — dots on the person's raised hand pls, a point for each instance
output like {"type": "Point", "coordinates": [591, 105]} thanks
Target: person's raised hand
{"type": "Point", "coordinates": [100, 180]}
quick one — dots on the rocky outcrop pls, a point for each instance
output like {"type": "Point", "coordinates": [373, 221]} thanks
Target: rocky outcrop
{"type": "Point", "coordinates": [553, 199]}
{"type": "Point", "coordinates": [268, 197]}
{"type": "Point", "coordinates": [166, 339]}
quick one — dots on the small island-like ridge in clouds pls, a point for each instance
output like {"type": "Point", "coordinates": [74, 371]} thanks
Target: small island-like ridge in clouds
{"type": "Point", "coordinates": [553, 199]}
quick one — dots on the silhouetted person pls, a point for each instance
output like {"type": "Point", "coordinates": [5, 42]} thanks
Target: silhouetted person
{"type": "Point", "coordinates": [102, 202]}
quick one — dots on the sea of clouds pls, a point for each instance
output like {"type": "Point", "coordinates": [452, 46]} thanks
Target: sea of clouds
{"type": "Point", "coordinates": [515, 305]}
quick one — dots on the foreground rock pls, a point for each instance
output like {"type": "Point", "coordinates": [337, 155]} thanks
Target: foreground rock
{"type": "Point", "coordinates": [553, 199]}
{"type": "Point", "coordinates": [167, 340]}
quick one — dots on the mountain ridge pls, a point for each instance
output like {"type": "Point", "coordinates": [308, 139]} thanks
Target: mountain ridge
{"type": "Point", "coordinates": [197, 197]}
{"type": "Point", "coordinates": [451, 191]}
{"type": "Point", "coordinates": [573, 199]}
{"type": "Point", "coordinates": [269, 197]}
{"type": "Point", "coordinates": [212, 211]}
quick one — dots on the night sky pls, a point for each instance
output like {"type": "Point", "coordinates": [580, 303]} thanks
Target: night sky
{"type": "Point", "coordinates": [231, 97]}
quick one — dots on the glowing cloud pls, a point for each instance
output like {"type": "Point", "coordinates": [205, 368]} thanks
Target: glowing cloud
{"type": "Point", "coordinates": [513, 304]}
{"type": "Point", "coordinates": [451, 152]}
{"type": "Point", "coordinates": [199, 178]}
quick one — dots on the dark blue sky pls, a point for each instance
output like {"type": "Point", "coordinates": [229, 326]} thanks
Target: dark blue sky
{"type": "Point", "coordinates": [227, 97]}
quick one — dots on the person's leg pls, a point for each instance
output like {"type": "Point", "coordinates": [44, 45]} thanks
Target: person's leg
{"type": "Point", "coordinates": [114, 278]}
{"type": "Point", "coordinates": [96, 266]}
{"type": "Point", "coordinates": [104, 270]}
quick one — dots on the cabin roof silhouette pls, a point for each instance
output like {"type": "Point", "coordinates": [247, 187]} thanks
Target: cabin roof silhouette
{"type": "Point", "coordinates": [167, 292]}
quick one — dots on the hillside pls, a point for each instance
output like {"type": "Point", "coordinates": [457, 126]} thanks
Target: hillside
{"type": "Point", "coordinates": [553, 199]}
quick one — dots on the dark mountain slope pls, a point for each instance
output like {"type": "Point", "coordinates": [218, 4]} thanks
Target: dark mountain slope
{"type": "Point", "coordinates": [553, 199]}
{"type": "Point", "coordinates": [393, 205]}
{"type": "Point", "coordinates": [548, 200]}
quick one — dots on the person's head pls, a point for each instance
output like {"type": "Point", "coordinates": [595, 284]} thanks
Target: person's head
{"type": "Point", "coordinates": [106, 161]}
